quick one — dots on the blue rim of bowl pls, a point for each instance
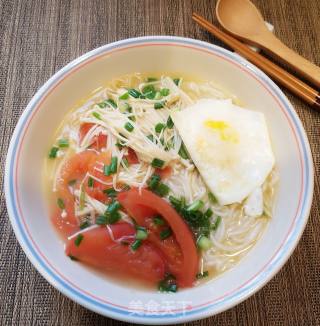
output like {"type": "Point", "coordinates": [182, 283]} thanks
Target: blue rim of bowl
{"type": "Point", "coordinates": [123, 314]}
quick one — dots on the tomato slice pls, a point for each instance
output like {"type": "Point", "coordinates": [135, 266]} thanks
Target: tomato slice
{"type": "Point", "coordinates": [98, 249]}
{"type": "Point", "coordinates": [138, 203]}
{"type": "Point", "coordinates": [99, 141]}
{"type": "Point", "coordinates": [74, 169]}
{"type": "Point", "coordinates": [164, 173]}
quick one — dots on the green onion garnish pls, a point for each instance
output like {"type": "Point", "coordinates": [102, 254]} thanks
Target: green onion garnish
{"type": "Point", "coordinates": [141, 234]}
{"type": "Point", "coordinates": [134, 93]}
{"type": "Point", "coordinates": [136, 244]}
{"type": "Point", "coordinates": [203, 242]}
{"type": "Point", "coordinates": [124, 96]}
{"type": "Point", "coordinates": [168, 284]}
{"type": "Point", "coordinates": [113, 218]}
{"type": "Point", "coordinates": [125, 162]}
{"type": "Point", "coordinates": [111, 102]}
{"type": "Point", "coordinates": [101, 220]}
{"type": "Point", "coordinates": [202, 275]}
{"type": "Point", "coordinates": [158, 220]}
{"type": "Point", "coordinates": [102, 105]}
{"type": "Point", "coordinates": [113, 207]}
{"type": "Point", "coordinates": [128, 126]}
{"type": "Point", "coordinates": [132, 118]}
{"type": "Point", "coordinates": [149, 92]}
{"type": "Point", "coordinates": [164, 91]}
{"type": "Point", "coordinates": [159, 126]}
{"type": "Point", "coordinates": [166, 233]}
{"type": "Point", "coordinates": [176, 81]}
{"type": "Point", "coordinates": [73, 257]}
{"type": "Point", "coordinates": [60, 203]}
{"type": "Point", "coordinates": [84, 225]}
{"type": "Point", "coordinates": [112, 168]}
{"type": "Point", "coordinates": [72, 182]}
{"type": "Point", "coordinates": [96, 115]}
{"type": "Point", "coordinates": [216, 223]}
{"type": "Point", "coordinates": [151, 79]}
{"type": "Point", "coordinates": [78, 240]}
{"type": "Point", "coordinates": [111, 192]}
{"type": "Point", "coordinates": [174, 201]}
{"type": "Point", "coordinates": [208, 213]}
{"type": "Point", "coordinates": [212, 198]}
{"type": "Point", "coordinates": [157, 163]}
{"type": "Point", "coordinates": [183, 152]}
{"type": "Point", "coordinates": [158, 105]}
{"type": "Point", "coordinates": [63, 143]}
{"type": "Point", "coordinates": [53, 152]}
{"type": "Point", "coordinates": [154, 181]}
{"type": "Point", "coordinates": [195, 206]}
{"type": "Point", "coordinates": [170, 123]}
{"type": "Point", "coordinates": [90, 182]}
{"type": "Point", "coordinates": [150, 137]}
{"type": "Point", "coordinates": [162, 190]}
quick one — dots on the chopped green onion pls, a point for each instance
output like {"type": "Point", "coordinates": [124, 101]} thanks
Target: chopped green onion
{"type": "Point", "coordinates": [162, 190]}
{"type": "Point", "coordinates": [90, 182]}
{"type": "Point", "coordinates": [53, 152]}
{"type": "Point", "coordinates": [159, 126]}
{"type": "Point", "coordinates": [134, 93]}
{"type": "Point", "coordinates": [170, 123]}
{"type": "Point", "coordinates": [157, 96]}
{"type": "Point", "coordinates": [73, 257]}
{"type": "Point", "coordinates": [101, 220]}
{"type": "Point", "coordinates": [84, 225]}
{"type": "Point", "coordinates": [128, 126]}
{"type": "Point", "coordinates": [112, 168]}
{"type": "Point", "coordinates": [168, 284]}
{"type": "Point", "coordinates": [60, 203]}
{"type": "Point", "coordinates": [113, 217]}
{"type": "Point", "coordinates": [158, 220]}
{"type": "Point", "coordinates": [63, 143]}
{"type": "Point", "coordinates": [78, 239]}
{"type": "Point", "coordinates": [166, 233]}
{"type": "Point", "coordinates": [102, 105]}
{"type": "Point", "coordinates": [174, 201]}
{"type": "Point", "coordinates": [113, 207]}
{"type": "Point", "coordinates": [176, 81]}
{"type": "Point", "coordinates": [136, 244]}
{"type": "Point", "coordinates": [151, 79]}
{"type": "Point", "coordinates": [195, 206]}
{"type": "Point", "coordinates": [125, 162]}
{"type": "Point", "coordinates": [111, 102]}
{"type": "Point", "coordinates": [72, 182]}
{"type": "Point", "coordinates": [124, 96]}
{"type": "Point", "coordinates": [164, 91]}
{"type": "Point", "coordinates": [208, 213]}
{"type": "Point", "coordinates": [159, 105]}
{"type": "Point", "coordinates": [141, 234]}
{"type": "Point", "coordinates": [96, 115]}
{"type": "Point", "coordinates": [202, 275]}
{"type": "Point", "coordinates": [149, 92]}
{"type": "Point", "coordinates": [150, 137]}
{"type": "Point", "coordinates": [203, 242]}
{"type": "Point", "coordinates": [183, 152]}
{"type": "Point", "coordinates": [111, 192]}
{"type": "Point", "coordinates": [154, 181]}
{"type": "Point", "coordinates": [216, 223]}
{"type": "Point", "coordinates": [212, 198]}
{"type": "Point", "coordinates": [157, 163]}
{"type": "Point", "coordinates": [132, 118]}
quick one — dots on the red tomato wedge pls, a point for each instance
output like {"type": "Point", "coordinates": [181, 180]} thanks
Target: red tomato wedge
{"type": "Point", "coordinates": [132, 156]}
{"type": "Point", "coordinates": [164, 173]}
{"type": "Point", "coordinates": [99, 141]}
{"type": "Point", "coordinates": [98, 249]}
{"type": "Point", "coordinates": [138, 204]}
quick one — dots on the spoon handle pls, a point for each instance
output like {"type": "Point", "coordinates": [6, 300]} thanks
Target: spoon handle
{"type": "Point", "coordinates": [271, 44]}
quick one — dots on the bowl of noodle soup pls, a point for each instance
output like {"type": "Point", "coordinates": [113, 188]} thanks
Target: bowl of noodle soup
{"type": "Point", "coordinates": [106, 135]}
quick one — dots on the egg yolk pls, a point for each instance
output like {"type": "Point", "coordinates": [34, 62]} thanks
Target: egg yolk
{"type": "Point", "coordinates": [225, 131]}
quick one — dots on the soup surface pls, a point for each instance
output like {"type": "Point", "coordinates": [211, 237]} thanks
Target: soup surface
{"type": "Point", "coordinates": [131, 195]}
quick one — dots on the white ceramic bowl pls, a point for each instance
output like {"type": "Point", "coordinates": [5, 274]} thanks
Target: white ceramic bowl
{"type": "Point", "coordinates": [31, 140]}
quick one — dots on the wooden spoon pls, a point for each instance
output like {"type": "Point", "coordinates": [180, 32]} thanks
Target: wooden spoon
{"type": "Point", "coordinates": [243, 20]}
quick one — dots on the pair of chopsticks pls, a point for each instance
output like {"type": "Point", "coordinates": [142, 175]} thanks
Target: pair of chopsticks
{"type": "Point", "coordinates": [292, 83]}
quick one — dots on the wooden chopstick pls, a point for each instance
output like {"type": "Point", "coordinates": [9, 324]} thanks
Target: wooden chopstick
{"type": "Point", "coordinates": [292, 83]}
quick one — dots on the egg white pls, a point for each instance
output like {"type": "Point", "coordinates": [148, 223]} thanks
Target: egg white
{"type": "Point", "coordinates": [229, 145]}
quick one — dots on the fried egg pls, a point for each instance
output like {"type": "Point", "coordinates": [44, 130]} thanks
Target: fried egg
{"type": "Point", "coordinates": [229, 145]}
